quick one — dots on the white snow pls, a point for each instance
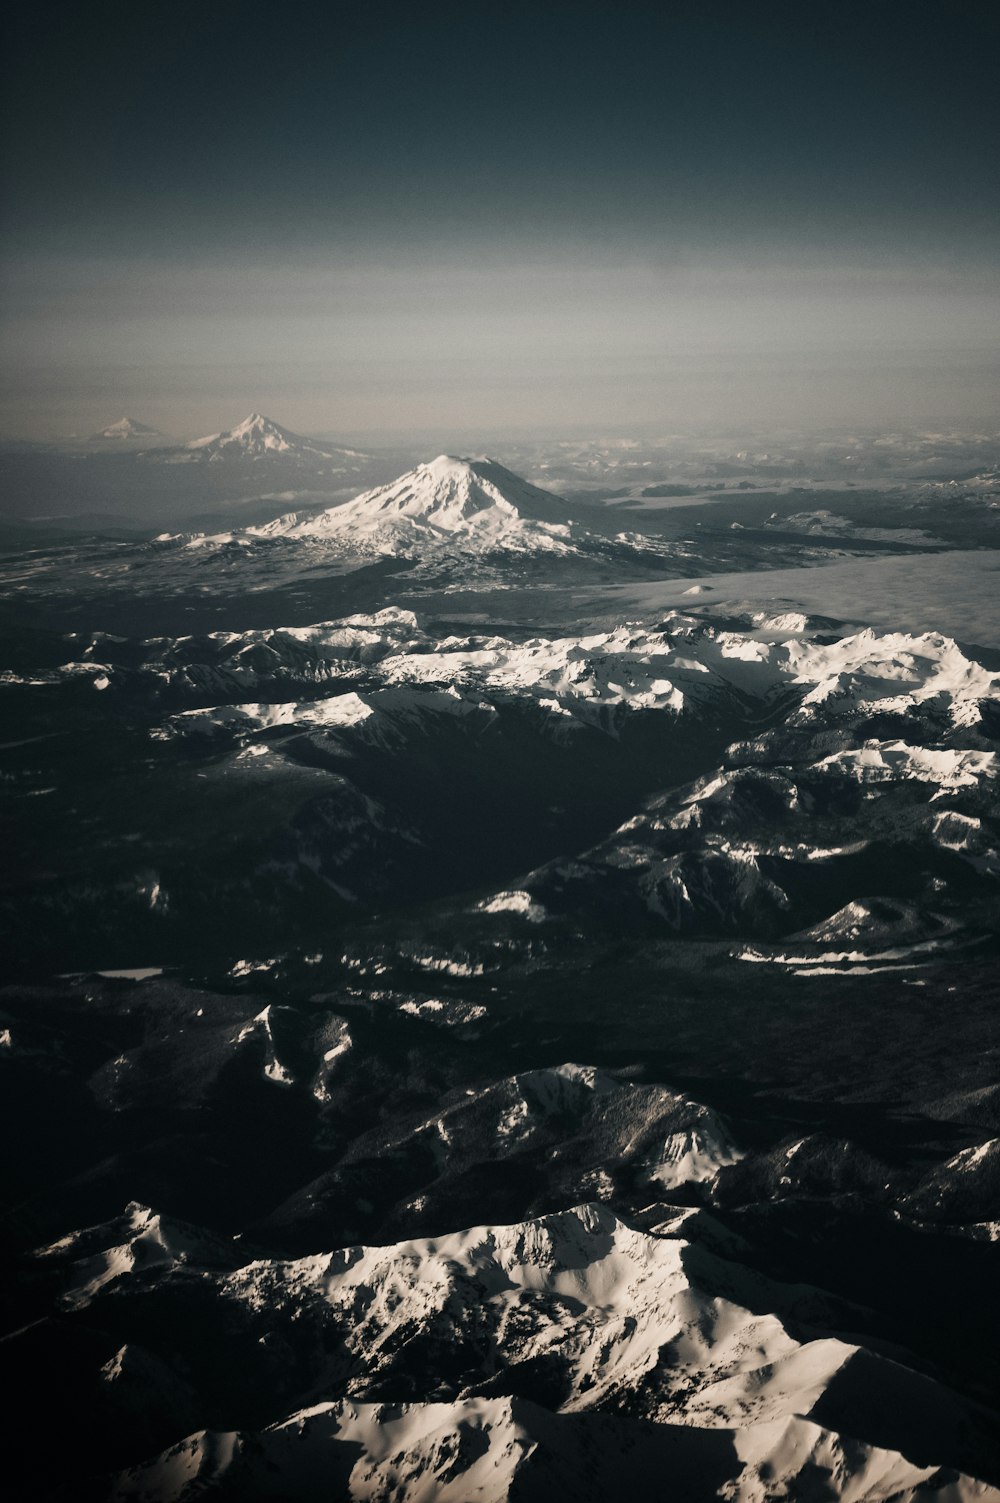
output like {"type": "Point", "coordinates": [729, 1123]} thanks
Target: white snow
{"type": "Point", "coordinates": [256, 437]}
{"type": "Point", "coordinates": [515, 902]}
{"type": "Point", "coordinates": [472, 503]}
{"type": "Point", "coordinates": [894, 761]}
{"type": "Point", "coordinates": [666, 1317]}
{"type": "Point", "coordinates": [127, 428]}
{"type": "Point", "coordinates": [695, 1155]}
{"type": "Point", "coordinates": [971, 1158]}
{"type": "Point", "coordinates": [446, 965]}
{"type": "Point", "coordinates": [494, 1450]}
{"type": "Point", "coordinates": [673, 669]}
{"type": "Point", "coordinates": [262, 1027]}
{"type": "Point", "coordinates": [602, 1300]}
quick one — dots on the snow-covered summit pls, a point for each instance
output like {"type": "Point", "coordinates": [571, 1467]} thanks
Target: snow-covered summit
{"type": "Point", "coordinates": [504, 1448]}
{"type": "Point", "coordinates": [260, 437]}
{"type": "Point", "coordinates": [890, 671]}
{"type": "Point", "coordinates": [476, 502]}
{"type": "Point", "coordinates": [657, 1320]}
{"type": "Point", "coordinates": [126, 428]}
{"type": "Point", "coordinates": [254, 437]}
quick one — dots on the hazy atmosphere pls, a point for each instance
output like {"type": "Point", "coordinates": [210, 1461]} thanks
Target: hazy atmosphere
{"type": "Point", "coordinates": [500, 688]}
{"type": "Point", "coordinates": [469, 217]}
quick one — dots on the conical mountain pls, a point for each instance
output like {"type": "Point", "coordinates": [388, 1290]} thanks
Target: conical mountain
{"type": "Point", "coordinates": [127, 428]}
{"type": "Point", "coordinates": [252, 439]}
{"type": "Point", "coordinates": [260, 437]}
{"type": "Point", "coordinates": [475, 504]}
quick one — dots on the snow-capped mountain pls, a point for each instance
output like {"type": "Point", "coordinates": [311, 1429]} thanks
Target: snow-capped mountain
{"type": "Point", "coordinates": [623, 1131]}
{"type": "Point", "coordinates": [684, 665]}
{"type": "Point", "coordinates": [500, 1450]}
{"type": "Point", "coordinates": [764, 850]}
{"type": "Point", "coordinates": [127, 428]}
{"type": "Point", "coordinates": [475, 504]}
{"type": "Point", "coordinates": [531, 986]}
{"type": "Point", "coordinates": [658, 1319]}
{"type": "Point", "coordinates": [260, 438]}
{"type": "Point", "coordinates": [846, 802]}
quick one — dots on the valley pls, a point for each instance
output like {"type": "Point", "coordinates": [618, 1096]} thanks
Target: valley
{"type": "Point", "coordinates": [499, 1004]}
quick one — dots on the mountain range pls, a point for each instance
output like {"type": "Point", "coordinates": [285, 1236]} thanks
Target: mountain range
{"type": "Point", "coordinates": [591, 1303]}
{"type": "Point", "coordinates": [496, 1008]}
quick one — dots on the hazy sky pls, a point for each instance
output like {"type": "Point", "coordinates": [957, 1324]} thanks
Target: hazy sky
{"type": "Point", "coordinates": [402, 216]}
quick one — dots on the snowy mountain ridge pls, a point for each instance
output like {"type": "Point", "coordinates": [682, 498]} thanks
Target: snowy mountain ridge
{"type": "Point", "coordinates": [500, 1450]}
{"type": "Point", "coordinates": [594, 1303]}
{"type": "Point", "coordinates": [676, 667]}
{"type": "Point", "coordinates": [825, 749]}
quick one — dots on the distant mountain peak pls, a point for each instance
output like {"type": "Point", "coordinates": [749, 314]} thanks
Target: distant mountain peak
{"type": "Point", "coordinates": [260, 437]}
{"type": "Point", "coordinates": [127, 427]}
{"type": "Point", "coordinates": [255, 436]}
{"type": "Point", "coordinates": [258, 423]}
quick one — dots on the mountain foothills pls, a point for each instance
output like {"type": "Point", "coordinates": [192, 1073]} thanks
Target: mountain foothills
{"type": "Point", "coordinates": [501, 996]}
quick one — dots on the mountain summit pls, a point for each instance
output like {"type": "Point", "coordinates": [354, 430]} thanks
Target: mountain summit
{"type": "Point", "coordinates": [254, 438]}
{"type": "Point", "coordinates": [126, 428]}
{"type": "Point", "coordinates": [475, 504]}
{"type": "Point", "coordinates": [260, 437]}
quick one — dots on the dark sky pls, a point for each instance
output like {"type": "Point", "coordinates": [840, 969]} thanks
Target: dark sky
{"type": "Point", "coordinates": [390, 216]}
